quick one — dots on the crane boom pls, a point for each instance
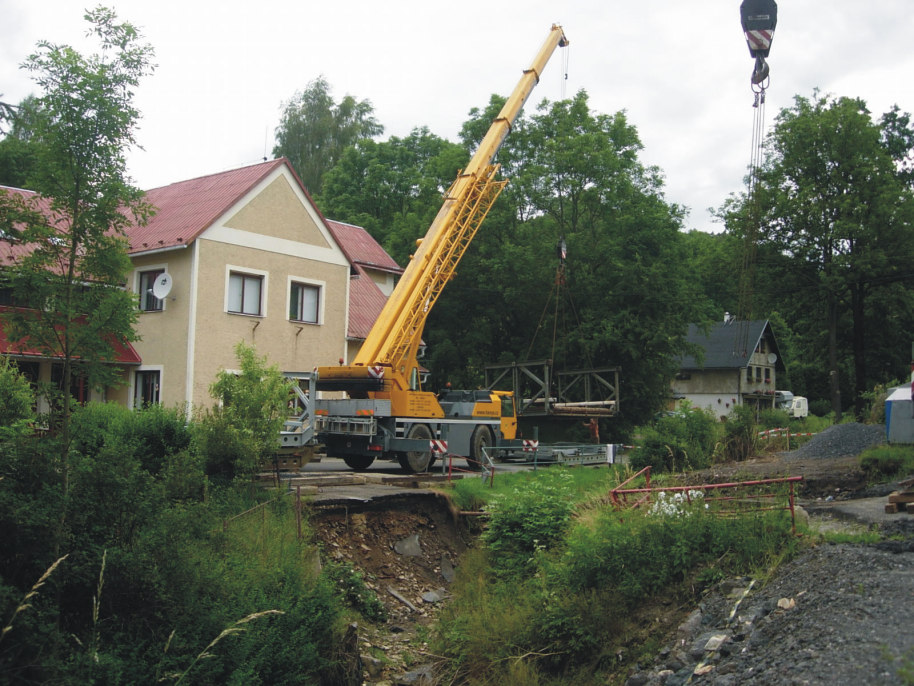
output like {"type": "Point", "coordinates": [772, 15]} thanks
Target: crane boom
{"type": "Point", "coordinates": [386, 413]}
{"type": "Point", "coordinates": [394, 339]}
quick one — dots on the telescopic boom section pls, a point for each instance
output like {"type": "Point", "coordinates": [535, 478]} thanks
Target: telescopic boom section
{"type": "Point", "coordinates": [394, 340]}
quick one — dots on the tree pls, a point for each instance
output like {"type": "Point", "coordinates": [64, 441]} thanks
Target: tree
{"type": "Point", "coordinates": [17, 153]}
{"type": "Point", "coordinates": [7, 114]}
{"type": "Point", "coordinates": [242, 432]}
{"type": "Point", "coordinates": [76, 262]}
{"type": "Point", "coordinates": [623, 296]}
{"type": "Point", "coordinates": [837, 211]}
{"type": "Point", "coordinates": [393, 188]}
{"type": "Point", "coordinates": [314, 130]}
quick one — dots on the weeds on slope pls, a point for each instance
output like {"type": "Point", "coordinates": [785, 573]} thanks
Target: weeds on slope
{"type": "Point", "coordinates": [555, 592]}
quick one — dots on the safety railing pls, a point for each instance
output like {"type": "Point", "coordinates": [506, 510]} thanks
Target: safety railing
{"type": "Point", "coordinates": [484, 467]}
{"type": "Point", "coordinates": [725, 499]}
{"type": "Point", "coordinates": [783, 432]}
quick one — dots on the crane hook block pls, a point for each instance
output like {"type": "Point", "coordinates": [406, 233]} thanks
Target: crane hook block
{"type": "Point", "coordinates": [760, 71]}
{"type": "Point", "coordinates": [759, 17]}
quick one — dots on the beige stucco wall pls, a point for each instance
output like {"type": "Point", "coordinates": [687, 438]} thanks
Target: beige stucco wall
{"type": "Point", "coordinates": [292, 346]}
{"type": "Point", "coordinates": [288, 218]}
{"type": "Point", "coordinates": [385, 281]}
{"type": "Point", "coordinates": [163, 343]}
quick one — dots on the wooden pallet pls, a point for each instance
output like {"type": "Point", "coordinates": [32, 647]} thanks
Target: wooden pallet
{"type": "Point", "coordinates": [900, 501]}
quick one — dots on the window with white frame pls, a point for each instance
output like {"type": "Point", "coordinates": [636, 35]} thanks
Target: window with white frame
{"type": "Point", "coordinates": [146, 391]}
{"type": "Point", "coordinates": [245, 293]}
{"type": "Point", "coordinates": [148, 301]}
{"type": "Point", "coordinates": [304, 302]}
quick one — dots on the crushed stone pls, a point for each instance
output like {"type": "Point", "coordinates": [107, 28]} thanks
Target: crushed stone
{"type": "Point", "coordinates": [839, 440]}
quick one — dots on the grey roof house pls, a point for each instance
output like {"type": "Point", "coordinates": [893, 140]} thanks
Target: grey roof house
{"type": "Point", "coordinates": [738, 365]}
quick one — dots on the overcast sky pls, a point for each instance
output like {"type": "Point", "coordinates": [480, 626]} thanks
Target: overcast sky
{"type": "Point", "coordinates": [679, 69]}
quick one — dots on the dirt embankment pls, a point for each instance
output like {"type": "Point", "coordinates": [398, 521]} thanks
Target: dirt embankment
{"type": "Point", "coordinates": [407, 553]}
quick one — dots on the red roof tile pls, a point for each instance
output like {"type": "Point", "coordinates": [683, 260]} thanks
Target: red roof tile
{"type": "Point", "coordinates": [10, 251]}
{"type": "Point", "coordinates": [365, 304]}
{"type": "Point", "coordinates": [187, 208]}
{"type": "Point", "coordinates": [360, 248]}
{"type": "Point", "coordinates": [124, 352]}
{"type": "Point", "coordinates": [363, 252]}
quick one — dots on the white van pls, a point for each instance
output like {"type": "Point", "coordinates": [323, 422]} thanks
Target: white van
{"type": "Point", "coordinates": [794, 405]}
{"type": "Point", "coordinates": [798, 407]}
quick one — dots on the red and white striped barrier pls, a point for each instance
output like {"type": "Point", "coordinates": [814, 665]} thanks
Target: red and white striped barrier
{"type": "Point", "coordinates": [781, 432]}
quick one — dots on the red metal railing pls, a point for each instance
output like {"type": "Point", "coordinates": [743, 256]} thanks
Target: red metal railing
{"type": "Point", "coordinates": [742, 502]}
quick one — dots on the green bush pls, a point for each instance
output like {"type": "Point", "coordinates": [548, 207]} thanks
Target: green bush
{"type": "Point", "coordinates": [351, 585]}
{"type": "Point", "coordinates": [572, 609]}
{"type": "Point", "coordinates": [874, 408]}
{"type": "Point", "coordinates": [677, 442]}
{"type": "Point", "coordinates": [151, 434]}
{"type": "Point", "coordinates": [160, 433]}
{"type": "Point", "coordinates": [228, 449]}
{"type": "Point", "coordinates": [532, 517]}
{"type": "Point", "coordinates": [820, 407]}
{"type": "Point", "coordinates": [772, 418]}
{"type": "Point", "coordinates": [178, 572]}
{"type": "Point", "coordinates": [16, 399]}
{"type": "Point", "coordinates": [241, 433]}
{"type": "Point", "coordinates": [740, 434]}
{"type": "Point", "coordinates": [471, 494]}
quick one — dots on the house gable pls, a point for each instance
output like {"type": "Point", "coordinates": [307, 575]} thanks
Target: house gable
{"type": "Point", "coordinates": [277, 216]}
{"type": "Point", "coordinates": [731, 345]}
{"type": "Point", "coordinates": [278, 211]}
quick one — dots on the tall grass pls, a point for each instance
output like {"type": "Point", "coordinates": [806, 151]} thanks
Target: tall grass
{"type": "Point", "coordinates": [554, 604]}
{"type": "Point", "coordinates": [887, 462]}
{"type": "Point", "coordinates": [474, 493]}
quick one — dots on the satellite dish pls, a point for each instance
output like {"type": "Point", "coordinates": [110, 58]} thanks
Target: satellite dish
{"type": "Point", "coordinates": [162, 287]}
{"type": "Point", "coordinates": [772, 358]}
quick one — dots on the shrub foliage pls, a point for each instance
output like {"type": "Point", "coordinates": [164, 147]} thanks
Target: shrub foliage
{"type": "Point", "coordinates": [152, 565]}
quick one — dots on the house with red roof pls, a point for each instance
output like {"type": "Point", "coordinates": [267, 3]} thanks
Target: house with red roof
{"type": "Point", "coordinates": [244, 255]}
{"type": "Point", "coordinates": [33, 360]}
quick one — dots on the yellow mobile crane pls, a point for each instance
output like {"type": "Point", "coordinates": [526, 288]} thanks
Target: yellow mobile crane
{"type": "Point", "coordinates": [387, 414]}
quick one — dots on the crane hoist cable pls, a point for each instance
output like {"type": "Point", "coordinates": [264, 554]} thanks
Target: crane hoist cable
{"type": "Point", "coordinates": [556, 298]}
{"type": "Point", "coordinates": [758, 19]}
{"type": "Point", "coordinates": [566, 54]}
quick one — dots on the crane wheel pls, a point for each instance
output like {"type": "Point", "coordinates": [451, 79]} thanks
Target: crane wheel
{"type": "Point", "coordinates": [482, 438]}
{"type": "Point", "coordinates": [358, 461]}
{"type": "Point", "coordinates": [417, 461]}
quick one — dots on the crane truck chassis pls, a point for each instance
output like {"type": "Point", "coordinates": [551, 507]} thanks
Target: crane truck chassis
{"type": "Point", "coordinates": [361, 430]}
{"type": "Point", "coordinates": [385, 413]}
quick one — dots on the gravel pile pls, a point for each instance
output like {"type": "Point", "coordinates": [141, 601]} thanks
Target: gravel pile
{"type": "Point", "coordinates": [837, 614]}
{"type": "Point", "coordinates": [840, 440]}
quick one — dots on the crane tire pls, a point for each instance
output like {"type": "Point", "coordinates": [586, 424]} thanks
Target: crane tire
{"type": "Point", "coordinates": [417, 461]}
{"type": "Point", "coordinates": [358, 461]}
{"type": "Point", "coordinates": [482, 438]}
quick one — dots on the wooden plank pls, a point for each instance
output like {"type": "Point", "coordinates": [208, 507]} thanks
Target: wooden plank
{"type": "Point", "coordinates": [898, 497]}
{"type": "Point", "coordinates": [891, 508]}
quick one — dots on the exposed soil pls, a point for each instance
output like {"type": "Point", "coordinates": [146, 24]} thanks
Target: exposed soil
{"type": "Point", "coordinates": [407, 554]}
{"type": "Point", "coordinates": [837, 614]}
